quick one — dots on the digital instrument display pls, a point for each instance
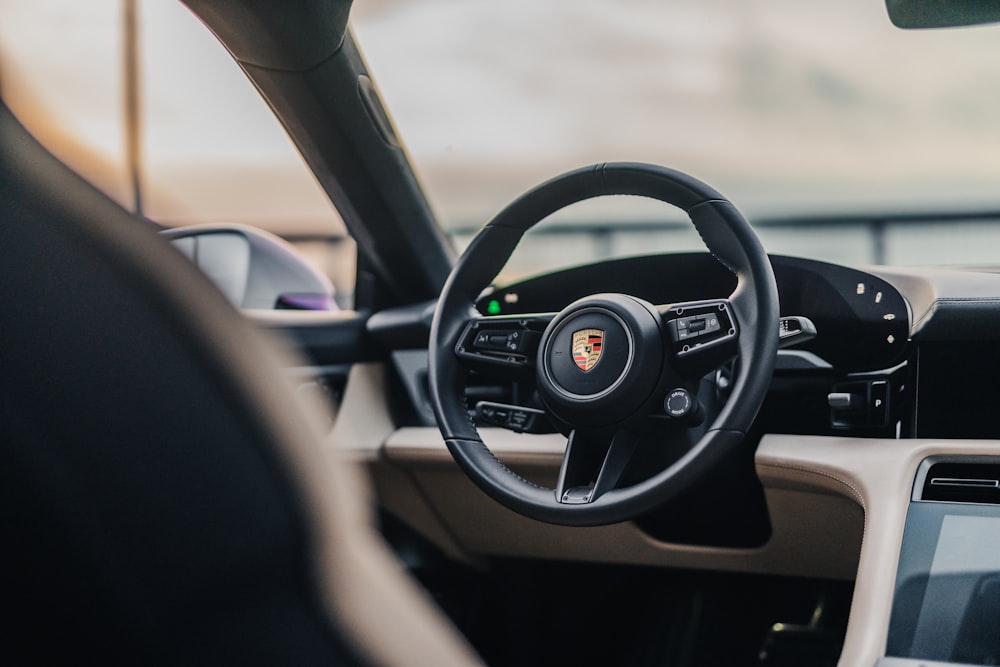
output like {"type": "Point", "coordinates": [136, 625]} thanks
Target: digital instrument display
{"type": "Point", "coordinates": [862, 321]}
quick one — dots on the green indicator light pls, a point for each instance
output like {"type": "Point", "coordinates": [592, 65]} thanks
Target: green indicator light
{"type": "Point", "coordinates": [493, 307]}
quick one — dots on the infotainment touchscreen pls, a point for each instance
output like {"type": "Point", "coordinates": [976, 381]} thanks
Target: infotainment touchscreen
{"type": "Point", "coordinates": [947, 595]}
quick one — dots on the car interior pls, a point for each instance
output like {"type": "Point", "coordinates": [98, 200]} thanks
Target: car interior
{"type": "Point", "coordinates": [719, 457]}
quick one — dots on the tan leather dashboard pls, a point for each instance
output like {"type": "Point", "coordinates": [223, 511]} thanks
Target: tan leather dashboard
{"type": "Point", "coordinates": [837, 506]}
{"type": "Point", "coordinates": [879, 474]}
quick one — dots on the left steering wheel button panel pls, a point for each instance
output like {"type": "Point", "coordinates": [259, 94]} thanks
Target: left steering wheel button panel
{"type": "Point", "coordinates": [501, 341]}
{"type": "Point", "coordinates": [505, 342]}
{"type": "Point", "coordinates": [514, 417]}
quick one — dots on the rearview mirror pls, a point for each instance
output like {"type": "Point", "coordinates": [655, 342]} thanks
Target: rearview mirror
{"type": "Point", "coordinates": [942, 13]}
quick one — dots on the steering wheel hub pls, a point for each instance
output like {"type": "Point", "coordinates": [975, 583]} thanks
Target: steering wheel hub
{"type": "Point", "coordinates": [599, 359]}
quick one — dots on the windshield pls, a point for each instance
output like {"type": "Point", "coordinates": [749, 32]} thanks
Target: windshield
{"type": "Point", "coordinates": [840, 136]}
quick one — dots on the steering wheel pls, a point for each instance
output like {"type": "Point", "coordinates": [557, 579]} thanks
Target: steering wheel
{"type": "Point", "coordinates": [609, 365]}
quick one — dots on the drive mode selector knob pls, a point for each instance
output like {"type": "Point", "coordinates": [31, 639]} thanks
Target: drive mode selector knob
{"type": "Point", "coordinates": [678, 403]}
{"type": "Point", "coordinates": [681, 405]}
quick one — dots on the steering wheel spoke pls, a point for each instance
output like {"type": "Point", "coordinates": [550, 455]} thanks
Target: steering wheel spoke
{"type": "Point", "coordinates": [701, 335]}
{"type": "Point", "coordinates": [497, 343]}
{"type": "Point", "coordinates": [593, 464]}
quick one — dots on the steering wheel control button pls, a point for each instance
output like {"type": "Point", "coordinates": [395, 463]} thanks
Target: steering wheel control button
{"type": "Point", "coordinates": [499, 341]}
{"type": "Point", "coordinates": [692, 327]}
{"type": "Point", "coordinates": [506, 342]}
{"type": "Point", "coordinates": [513, 417]}
{"type": "Point", "coordinates": [678, 403]}
{"type": "Point", "coordinates": [700, 324]}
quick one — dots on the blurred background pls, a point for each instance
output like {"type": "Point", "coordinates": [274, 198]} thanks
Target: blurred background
{"type": "Point", "coordinates": [841, 137]}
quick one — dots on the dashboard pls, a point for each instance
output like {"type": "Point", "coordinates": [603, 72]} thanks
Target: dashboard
{"type": "Point", "coordinates": [898, 352]}
{"type": "Point", "coordinates": [902, 368]}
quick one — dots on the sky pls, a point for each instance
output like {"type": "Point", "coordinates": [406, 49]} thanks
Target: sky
{"type": "Point", "coordinates": [212, 149]}
{"type": "Point", "coordinates": [785, 106]}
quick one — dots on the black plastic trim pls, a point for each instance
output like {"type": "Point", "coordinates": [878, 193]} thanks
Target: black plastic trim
{"type": "Point", "coordinates": [305, 63]}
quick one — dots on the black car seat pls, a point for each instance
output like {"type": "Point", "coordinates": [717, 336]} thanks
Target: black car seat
{"type": "Point", "coordinates": [163, 498]}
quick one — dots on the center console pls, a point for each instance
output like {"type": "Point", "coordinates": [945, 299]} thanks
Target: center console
{"type": "Point", "coordinates": [946, 601]}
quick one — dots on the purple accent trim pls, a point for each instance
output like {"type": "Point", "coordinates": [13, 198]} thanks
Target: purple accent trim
{"type": "Point", "coordinates": [306, 302]}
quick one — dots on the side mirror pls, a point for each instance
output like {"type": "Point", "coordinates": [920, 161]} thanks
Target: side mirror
{"type": "Point", "coordinates": [253, 268]}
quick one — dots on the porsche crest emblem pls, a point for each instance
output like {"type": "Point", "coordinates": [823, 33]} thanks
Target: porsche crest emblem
{"type": "Point", "coordinates": [587, 347]}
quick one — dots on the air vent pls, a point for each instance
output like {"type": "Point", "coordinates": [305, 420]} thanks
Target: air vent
{"type": "Point", "coordinates": [962, 482]}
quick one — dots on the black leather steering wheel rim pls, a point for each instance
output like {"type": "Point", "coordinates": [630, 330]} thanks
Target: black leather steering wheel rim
{"type": "Point", "coordinates": [727, 235]}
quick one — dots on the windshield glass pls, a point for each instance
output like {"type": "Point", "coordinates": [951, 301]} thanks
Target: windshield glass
{"type": "Point", "coordinates": [840, 136]}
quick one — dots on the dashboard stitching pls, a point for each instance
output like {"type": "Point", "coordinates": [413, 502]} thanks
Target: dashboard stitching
{"type": "Point", "coordinates": [954, 300]}
{"type": "Point", "coordinates": [854, 490]}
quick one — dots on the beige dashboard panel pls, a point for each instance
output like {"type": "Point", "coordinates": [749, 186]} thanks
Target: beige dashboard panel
{"type": "Point", "coordinates": [879, 475]}
{"type": "Point", "coordinates": [837, 506]}
{"type": "Point", "coordinates": [816, 529]}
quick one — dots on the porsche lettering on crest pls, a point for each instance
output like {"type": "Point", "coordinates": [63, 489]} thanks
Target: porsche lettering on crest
{"type": "Point", "coordinates": [587, 347]}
